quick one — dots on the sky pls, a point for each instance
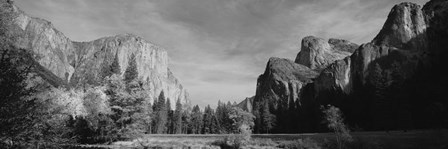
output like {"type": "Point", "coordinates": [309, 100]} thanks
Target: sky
{"type": "Point", "coordinates": [217, 48]}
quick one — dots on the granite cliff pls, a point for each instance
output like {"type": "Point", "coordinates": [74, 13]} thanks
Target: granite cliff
{"type": "Point", "coordinates": [402, 40]}
{"type": "Point", "coordinates": [68, 63]}
{"type": "Point", "coordinates": [284, 79]}
{"type": "Point", "coordinates": [405, 57]}
{"type": "Point", "coordinates": [316, 53]}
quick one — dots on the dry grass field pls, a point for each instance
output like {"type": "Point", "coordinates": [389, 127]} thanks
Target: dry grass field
{"type": "Point", "coordinates": [428, 139]}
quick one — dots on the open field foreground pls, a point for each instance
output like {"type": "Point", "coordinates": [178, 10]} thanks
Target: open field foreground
{"type": "Point", "coordinates": [430, 139]}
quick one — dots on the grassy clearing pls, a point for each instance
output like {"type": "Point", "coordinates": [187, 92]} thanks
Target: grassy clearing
{"type": "Point", "coordinates": [429, 139]}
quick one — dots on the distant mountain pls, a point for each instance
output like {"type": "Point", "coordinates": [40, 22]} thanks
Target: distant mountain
{"type": "Point", "coordinates": [383, 84]}
{"type": "Point", "coordinates": [246, 104]}
{"type": "Point", "coordinates": [67, 63]}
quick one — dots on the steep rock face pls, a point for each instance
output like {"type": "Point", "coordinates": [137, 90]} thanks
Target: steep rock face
{"type": "Point", "coordinates": [152, 63]}
{"type": "Point", "coordinates": [50, 47]}
{"type": "Point", "coordinates": [437, 15]}
{"type": "Point", "coordinates": [436, 11]}
{"type": "Point", "coordinates": [336, 77]}
{"type": "Point", "coordinates": [342, 45]}
{"type": "Point", "coordinates": [282, 80]}
{"type": "Point", "coordinates": [317, 53]}
{"type": "Point", "coordinates": [409, 50]}
{"type": "Point", "coordinates": [405, 28]}
{"type": "Point", "coordinates": [403, 39]}
{"type": "Point", "coordinates": [67, 63]}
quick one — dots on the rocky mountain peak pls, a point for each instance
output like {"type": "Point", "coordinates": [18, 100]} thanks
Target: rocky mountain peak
{"type": "Point", "coordinates": [405, 28]}
{"type": "Point", "coordinates": [246, 104]}
{"type": "Point", "coordinates": [316, 53]}
{"type": "Point", "coordinates": [285, 69]}
{"type": "Point", "coordinates": [410, 48]}
{"type": "Point", "coordinates": [342, 45]}
{"type": "Point", "coordinates": [283, 80]}
{"type": "Point", "coordinates": [63, 62]}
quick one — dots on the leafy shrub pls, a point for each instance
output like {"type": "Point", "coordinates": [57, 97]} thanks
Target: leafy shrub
{"type": "Point", "coordinates": [242, 123]}
{"type": "Point", "coordinates": [335, 122]}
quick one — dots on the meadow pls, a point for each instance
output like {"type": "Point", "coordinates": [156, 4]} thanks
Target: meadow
{"type": "Point", "coordinates": [418, 139]}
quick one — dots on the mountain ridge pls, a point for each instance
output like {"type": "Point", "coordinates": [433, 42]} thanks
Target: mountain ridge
{"type": "Point", "coordinates": [63, 62]}
{"type": "Point", "coordinates": [408, 47]}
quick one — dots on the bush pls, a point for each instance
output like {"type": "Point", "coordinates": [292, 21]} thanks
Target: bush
{"type": "Point", "coordinates": [242, 123]}
{"type": "Point", "coordinates": [335, 122]}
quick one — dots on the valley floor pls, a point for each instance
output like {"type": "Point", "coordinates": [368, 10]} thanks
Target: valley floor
{"type": "Point", "coordinates": [418, 139]}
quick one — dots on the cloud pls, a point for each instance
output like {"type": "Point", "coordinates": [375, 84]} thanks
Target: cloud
{"type": "Point", "coordinates": [217, 48]}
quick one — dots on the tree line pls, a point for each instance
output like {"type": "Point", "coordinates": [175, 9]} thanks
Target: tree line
{"type": "Point", "coordinates": [120, 109]}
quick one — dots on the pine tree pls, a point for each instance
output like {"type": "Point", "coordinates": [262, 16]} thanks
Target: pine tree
{"type": "Point", "coordinates": [162, 114]}
{"type": "Point", "coordinates": [169, 123]}
{"type": "Point", "coordinates": [131, 72]}
{"type": "Point", "coordinates": [150, 113]}
{"type": "Point", "coordinates": [128, 107]}
{"type": "Point", "coordinates": [115, 66]}
{"type": "Point", "coordinates": [178, 117]}
{"type": "Point", "coordinates": [379, 106]}
{"type": "Point", "coordinates": [109, 70]}
{"type": "Point", "coordinates": [267, 118]}
{"type": "Point", "coordinates": [207, 120]}
{"type": "Point", "coordinates": [196, 120]}
{"type": "Point", "coordinates": [215, 127]}
{"type": "Point", "coordinates": [282, 115]}
{"type": "Point", "coordinates": [402, 110]}
{"type": "Point", "coordinates": [186, 122]}
{"type": "Point", "coordinates": [154, 118]}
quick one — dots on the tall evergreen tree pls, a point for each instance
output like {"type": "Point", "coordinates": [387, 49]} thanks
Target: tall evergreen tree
{"type": "Point", "coordinates": [380, 104]}
{"type": "Point", "coordinates": [402, 106]}
{"type": "Point", "coordinates": [215, 126]}
{"type": "Point", "coordinates": [222, 114]}
{"type": "Point", "coordinates": [154, 118]}
{"type": "Point", "coordinates": [150, 113]}
{"type": "Point", "coordinates": [169, 124]}
{"type": "Point", "coordinates": [196, 120]}
{"type": "Point", "coordinates": [109, 70]}
{"type": "Point", "coordinates": [115, 66]}
{"type": "Point", "coordinates": [178, 117]}
{"type": "Point", "coordinates": [131, 71]}
{"type": "Point", "coordinates": [207, 120]}
{"type": "Point", "coordinates": [267, 118]}
{"type": "Point", "coordinates": [128, 107]}
{"type": "Point", "coordinates": [162, 114]}
{"type": "Point", "coordinates": [186, 122]}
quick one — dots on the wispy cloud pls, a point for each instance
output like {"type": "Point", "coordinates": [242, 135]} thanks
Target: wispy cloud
{"type": "Point", "coordinates": [217, 48]}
